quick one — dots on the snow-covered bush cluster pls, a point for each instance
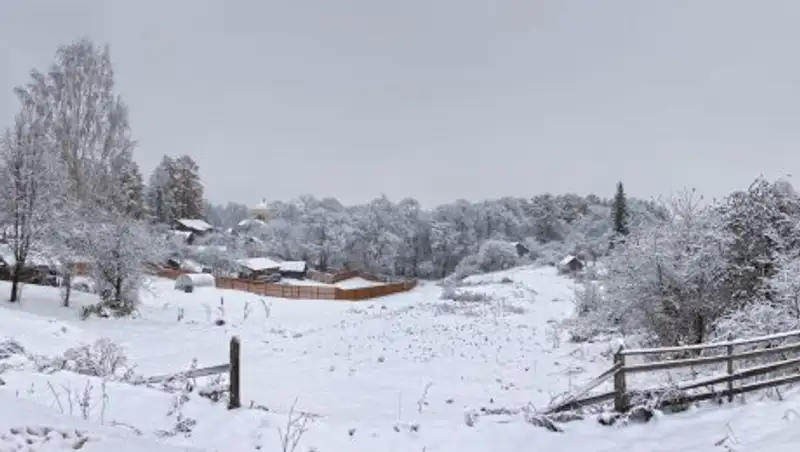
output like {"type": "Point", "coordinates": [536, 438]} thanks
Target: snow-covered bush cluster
{"type": "Point", "coordinates": [729, 268]}
{"type": "Point", "coordinates": [103, 359]}
{"type": "Point", "coordinates": [493, 255]}
{"type": "Point", "coordinates": [454, 294]}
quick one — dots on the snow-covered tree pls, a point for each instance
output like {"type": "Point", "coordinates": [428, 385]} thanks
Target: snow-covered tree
{"type": "Point", "coordinates": [127, 186]}
{"type": "Point", "coordinates": [188, 189]}
{"type": "Point", "coordinates": [30, 188]}
{"type": "Point", "coordinates": [89, 120]}
{"type": "Point", "coordinates": [225, 216]}
{"type": "Point", "coordinates": [493, 255]}
{"type": "Point", "coordinates": [548, 215]}
{"type": "Point", "coordinates": [763, 317]}
{"type": "Point", "coordinates": [666, 281]}
{"type": "Point", "coordinates": [765, 222]}
{"type": "Point", "coordinates": [161, 204]}
{"type": "Point", "coordinates": [120, 249]}
{"type": "Point", "coordinates": [620, 212]}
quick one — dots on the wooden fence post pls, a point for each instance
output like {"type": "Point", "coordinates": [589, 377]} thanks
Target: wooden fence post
{"type": "Point", "coordinates": [620, 390]}
{"type": "Point", "coordinates": [730, 370]}
{"type": "Point", "coordinates": [235, 400]}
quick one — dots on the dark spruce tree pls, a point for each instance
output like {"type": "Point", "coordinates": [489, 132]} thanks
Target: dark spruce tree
{"type": "Point", "coordinates": [619, 212]}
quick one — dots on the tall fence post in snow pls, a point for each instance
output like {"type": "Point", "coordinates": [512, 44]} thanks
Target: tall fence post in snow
{"type": "Point", "coordinates": [235, 377]}
{"type": "Point", "coordinates": [730, 369]}
{"type": "Point", "coordinates": [620, 389]}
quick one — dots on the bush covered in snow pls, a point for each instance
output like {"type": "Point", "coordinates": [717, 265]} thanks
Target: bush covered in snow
{"type": "Point", "coordinates": [103, 359]}
{"type": "Point", "coordinates": [493, 255]}
{"type": "Point", "coordinates": [9, 348]}
{"type": "Point", "coordinates": [120, 248]}
{"type": "Point", "coordinates": [454, 294]}
{"type": "Point", "coordinates": [726, 269]}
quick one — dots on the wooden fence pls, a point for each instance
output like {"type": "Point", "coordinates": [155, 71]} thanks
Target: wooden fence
{"type": "Point", "coordinates": [232, 367]}
{"type": "Point", "coordinates": [313, 292]}
{"type": "Point", "coordinates": [333, 278]}
{"type": "Point", "coordinates": [740, 365]}
{"type": "Point", "coordinates": [277, 290]}
{"type": "Point", "coordinates": [323, 277]}
{"type": "Point", "coordinates": [171, 273]}
{"type": "Point", "coordinates": [302, 292]}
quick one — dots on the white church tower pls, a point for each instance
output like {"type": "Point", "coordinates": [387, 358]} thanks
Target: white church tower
{"type": "Point", "coordinates": [260, 211]}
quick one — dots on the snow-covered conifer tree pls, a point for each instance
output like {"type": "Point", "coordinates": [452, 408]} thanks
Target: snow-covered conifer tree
{"type": "Point", "coordinates": [161, 192]}
{"type": "Point", "coordinates": [188, 188]}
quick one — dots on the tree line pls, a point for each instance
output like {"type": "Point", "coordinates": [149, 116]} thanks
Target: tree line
{"type": "Point", "coordinates": [402, 239]}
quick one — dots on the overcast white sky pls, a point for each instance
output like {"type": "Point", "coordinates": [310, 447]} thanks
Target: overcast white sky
{"type": "Point", "coordinates": [441, 99]}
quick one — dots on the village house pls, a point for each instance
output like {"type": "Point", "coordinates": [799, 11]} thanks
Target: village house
{"type": "Point", "coordinates": [570, 264]}
{"type": "Point", "coordinates": [191, 228]}
{"type": "Point", "coordinates": [39, 269]}
{"type": "Point", "coordinates": [78, 265]}
{"type": "Point", "coordinates": [293, 269]}
{"type": "Point", "coordinates": [260, 268]}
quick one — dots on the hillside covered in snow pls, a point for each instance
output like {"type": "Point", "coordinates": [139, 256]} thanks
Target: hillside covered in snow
{"type": "Point", "coordinates": [460, 368]}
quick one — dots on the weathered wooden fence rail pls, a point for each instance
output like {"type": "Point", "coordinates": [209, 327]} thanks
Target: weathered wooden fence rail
{"type": "Point", "coordinates": [232, 367]}
{"type": "Point", "coordinates": [782, 369]}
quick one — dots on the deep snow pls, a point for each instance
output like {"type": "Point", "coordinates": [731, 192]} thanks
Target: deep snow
{"type": "Point", "coordinates": [400, 373]}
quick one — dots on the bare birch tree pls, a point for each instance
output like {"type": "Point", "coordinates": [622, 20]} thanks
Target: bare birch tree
{"type": "Point", "coordinates": [90, 121]}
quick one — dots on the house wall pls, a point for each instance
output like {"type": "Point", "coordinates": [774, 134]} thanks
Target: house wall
{"type": "Point", "coordinates": [293, 275]}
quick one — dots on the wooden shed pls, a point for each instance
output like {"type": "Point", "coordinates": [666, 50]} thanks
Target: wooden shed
{"type": "Point", "coordinates": [258, 268]}
{"type": "Point", "coordinates": [570, 264]}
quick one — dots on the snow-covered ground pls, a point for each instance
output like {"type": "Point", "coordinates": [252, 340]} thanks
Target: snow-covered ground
{"type": "Point", "coordinates": [351, 283]}
{"type": "Point", "coordinates": [402, 373]}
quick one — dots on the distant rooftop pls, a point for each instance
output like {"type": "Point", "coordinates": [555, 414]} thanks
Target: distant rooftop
{"type": "Point", "coordinates": [195, 224]}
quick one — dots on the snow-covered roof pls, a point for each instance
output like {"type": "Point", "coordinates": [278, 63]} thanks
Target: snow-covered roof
{"type": "Point", "coordinates": [249, 222]}
{"type": "Point", "coordinates": [293, 266]}
{"type": "Point", "coordinates": [567, 260]}
{"type": "Point", "coordinates": [191, 265]}
{"type": "Point", "coordinates": [209, 248]}
{"type": "Point", "coordinates": [195, 224]}
{"type": "Point", "coordinates": [259, 263]}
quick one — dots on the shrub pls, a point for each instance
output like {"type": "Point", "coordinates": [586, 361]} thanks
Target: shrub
{"type": "Point", "coordinates": [450, 293]}
{"type": "Point", "coordinates": [493, 255]}
{"type": "Point", "coordinates": [103, 359]}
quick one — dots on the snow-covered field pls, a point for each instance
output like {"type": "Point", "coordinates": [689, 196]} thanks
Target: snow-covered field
{"type": "Point", "coordinates": [402, 373]}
